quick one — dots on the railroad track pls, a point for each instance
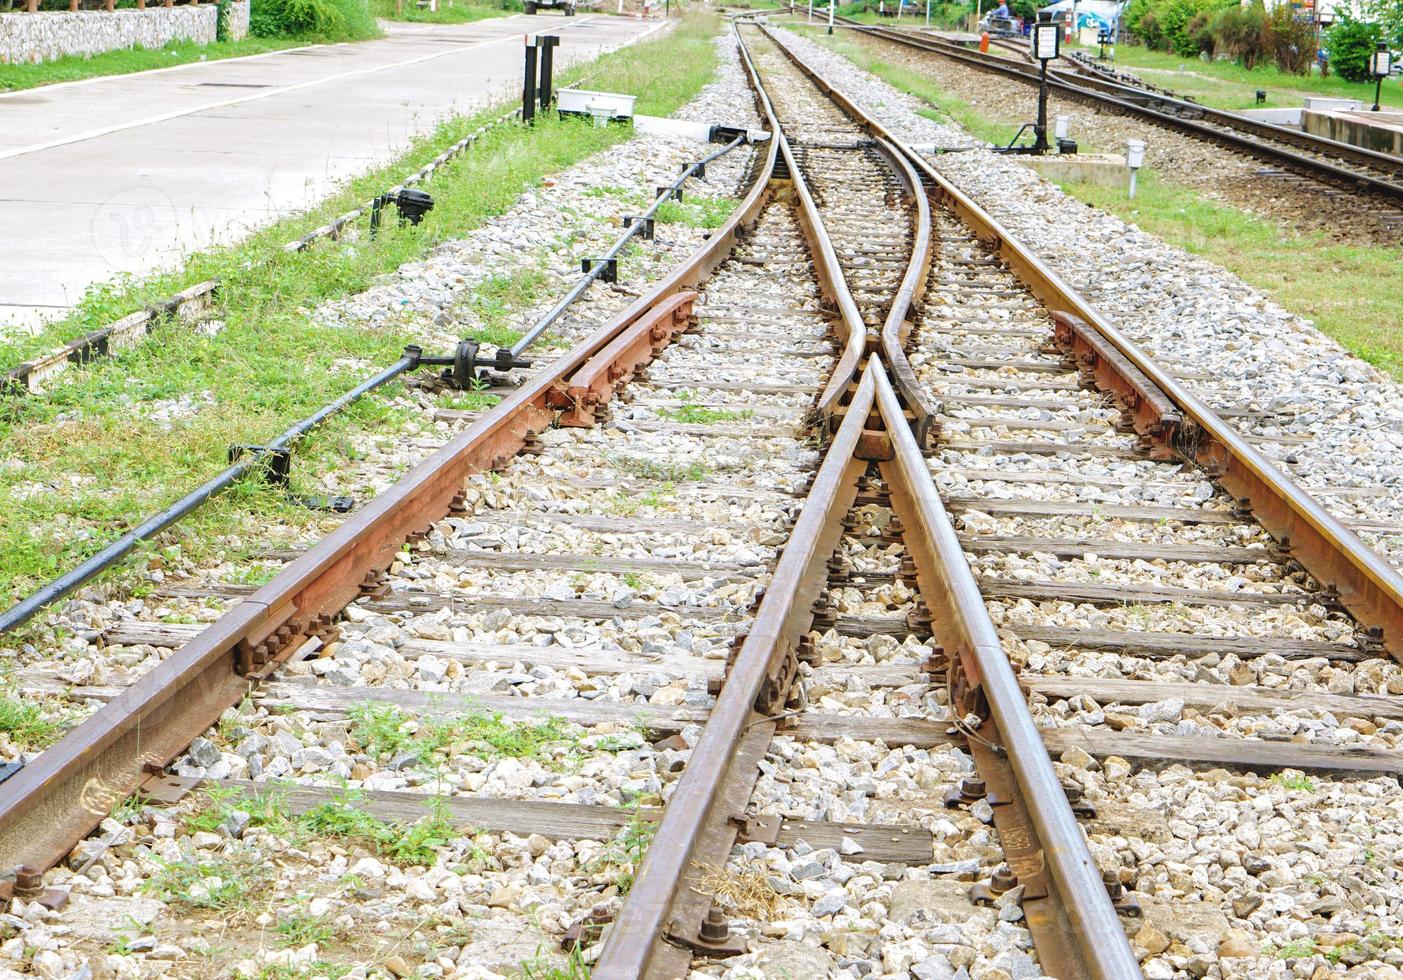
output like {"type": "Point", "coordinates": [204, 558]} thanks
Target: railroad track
{"type": "Point", "coordinates": [702, 558]}
{"type": "Point", "coordinates": [1295, 156]}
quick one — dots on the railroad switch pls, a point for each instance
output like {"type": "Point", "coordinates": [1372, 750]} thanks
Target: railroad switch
{"type": "Point", "coordinates": [461, 368]}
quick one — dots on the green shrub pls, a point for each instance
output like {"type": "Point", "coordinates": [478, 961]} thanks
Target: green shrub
{"type": "Point", "coordinates": [1289, 41]}
{"type": "Point", "coordinates": [327, 20]}
{"type": "Point", "coordinates": [1351, 43]}
{"type": "Point", "coordinates": [1179, 26]}
{"type": "Point", "coordinates": [1239, 33]}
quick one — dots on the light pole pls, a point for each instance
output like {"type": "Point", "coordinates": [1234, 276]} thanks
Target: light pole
{"type": "Point", "coordinates": [927, 14]}
{"type": "Point", "coordinates": [1047, 39]}
{"type": "Point", "coordinates": [1380, 64]}
{"type": "Point", "coordinates": [831, 5]}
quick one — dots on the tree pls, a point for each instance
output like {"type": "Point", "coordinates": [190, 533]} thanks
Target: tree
{"type": "Point", "coordinates": [1351, 43]}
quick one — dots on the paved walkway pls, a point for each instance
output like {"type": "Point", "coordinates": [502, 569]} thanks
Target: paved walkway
{"type": "Point", "coordinates": [130, 173]}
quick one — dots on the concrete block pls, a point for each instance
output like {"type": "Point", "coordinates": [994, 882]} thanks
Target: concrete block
{"type": "Point", "coordinates": [1321, 103]}
{"type": "Point", "coordinates": [1285, 116]}
{"type": "Point", "coordinates": [1381, 131]}
{"type": "Point", "coordinates": [1106, 169]}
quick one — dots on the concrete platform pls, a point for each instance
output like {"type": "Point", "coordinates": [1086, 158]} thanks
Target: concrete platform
{"type": "Point", "coordinates": [130, 173]}
{"type": "Point", "coordinates": [1381, 131]}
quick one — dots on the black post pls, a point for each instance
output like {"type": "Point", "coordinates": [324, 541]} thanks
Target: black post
{"type": "Point", "coordinates": [547, 43]}
{"type": "Point", "coordinates": [1040, 130]}
{"type": "Point", "coordinates": [528, 86]}
{"type": "Point", "coordinates": [1378, 90]}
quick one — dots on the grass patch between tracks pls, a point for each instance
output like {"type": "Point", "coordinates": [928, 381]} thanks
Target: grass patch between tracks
{"type": "Point", "coordinates": [1348, 291]}
{"type": "Point", "coordinates": [125, 436]}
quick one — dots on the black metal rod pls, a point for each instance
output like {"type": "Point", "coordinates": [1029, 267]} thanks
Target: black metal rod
{"type": "Point", "coordinates": [636, 226]}
{"type": "Point", "coordinates": [528, 85]}
{"type": "Point", "coordinates": [21, 611]}
{"type": "Point", "coordinates": [547, 69]}
{"type": "Point", "coordinates": [1040, 130]}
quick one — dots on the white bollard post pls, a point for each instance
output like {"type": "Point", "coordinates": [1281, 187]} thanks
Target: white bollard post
{"type": "Point", "coordinates": [1134, 159]}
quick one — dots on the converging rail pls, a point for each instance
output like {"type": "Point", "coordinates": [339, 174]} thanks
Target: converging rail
{"type": "Point", "coordinates": [827, 305]}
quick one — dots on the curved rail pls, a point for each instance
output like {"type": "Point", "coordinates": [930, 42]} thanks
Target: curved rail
{"type": "Point", "coordinates": [1241, 134]}
{"type": "Point", "coordinates": [1369, 587]}
{"type": "Point", "coordinates": [653, 932]}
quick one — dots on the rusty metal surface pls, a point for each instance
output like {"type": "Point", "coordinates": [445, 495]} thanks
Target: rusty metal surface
{"type": "Point", "coordinates": [785, 614]}
{"type": "Point", "coordinates": [851, 329]}
{"type": "Point", "coordinates": [592, 386]}
{"type": "Point", "coordinates": [1106, 368]}
{"type": "Point", "coordinates": [60, 797]}
{"type": "Point", "coordinates": [961, 623]}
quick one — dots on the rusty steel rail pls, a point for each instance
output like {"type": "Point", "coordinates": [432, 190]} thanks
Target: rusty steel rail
{"type": "Point", "coordinates": [704, 800]}
{"type": "Point", "coordinates": [1241, 134]}
{"type": "Point", "coordinates": [659, 926]}
{"type": "Point", "coordinates": [1075, 926]}
{"type": "Point", "coordinates": [1178, 422]}
{"type": "Point", "coordinates": [57, 799]}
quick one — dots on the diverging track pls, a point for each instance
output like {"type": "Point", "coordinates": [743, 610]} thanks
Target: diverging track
{"type": "Point", "coordinates": [705, 565]}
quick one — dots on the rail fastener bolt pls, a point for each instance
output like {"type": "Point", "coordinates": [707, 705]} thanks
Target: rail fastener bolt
{"type": "Point", "coordinates": [971, 789]}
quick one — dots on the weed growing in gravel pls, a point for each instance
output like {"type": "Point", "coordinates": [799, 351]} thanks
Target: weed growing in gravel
{"type": "Point", "coordinates": [699, 212]}
{"type": "Point", "coordinates": [649, 469]}
{"type": "Point", "coordinates": [383, 730]}
{"type": "Point", "coordinates": [539, 967]}
{"type": "Point", "coordinates": [25, 724]}
{"type": "Point", "coordinates": [404, 844]}
{"type": "Point", "coordinates": [1290, 951]}
{"type": "Point", "coordinates": [216, 885]}
{"type": "Point", "coordinates": [625, 852]}
{"type": "Point", "coordinates": [498, 299]}
{"type": "Point", "coordinates": [695, 414]}
{"type": "Point", "coordinates": [317, 968]}
{"type": "Point", "coordinates": [1293, 781]}
{"type": "Point", "coordinates": [299, 929]}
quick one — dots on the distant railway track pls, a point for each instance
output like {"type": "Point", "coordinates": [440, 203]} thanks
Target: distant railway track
{"type": "Point", "coordinates": [1337, 164]}
{"type": "Point", "coordinates": [855, 341]}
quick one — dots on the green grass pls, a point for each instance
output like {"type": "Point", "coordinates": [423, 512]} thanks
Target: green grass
{"type": "Point", "coordinates": [341, 817]}
{"type": "Point", "coordinates": [24, 724]}
{"type": "Point", "coordinates": [448, 12]}
{"type": "Point", "coordinates": [215, 886]}
{"type": "Point", "coordinates": [1348, 291]}
{"type": "Point", "coordinates": [83, 462]}
{"type": "Point", "coordinates": [1228, 85]}
{"type": "Point", "coordinates": [1298, 781]}
{"type": "Point", "coordinates": [13, 78]}
{"type": "Point", "coordinates": [691, 413]}
{"type": "Point", "coordinates": [383, 730]}
{"type": "Point", "coordinates": [702, 212]}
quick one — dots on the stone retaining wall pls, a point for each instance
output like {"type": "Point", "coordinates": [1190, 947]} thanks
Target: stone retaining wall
{"type": "Point", "coordinates": [31, 38]}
